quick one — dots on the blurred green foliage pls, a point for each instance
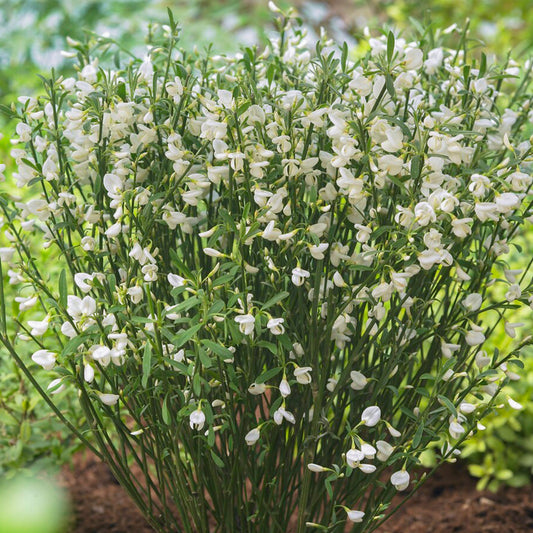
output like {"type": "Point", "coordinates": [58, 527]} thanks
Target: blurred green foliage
{"type": "Point", "coordinates": [501, 24]}
{"type": "Point", "coordinates": [503, 453]}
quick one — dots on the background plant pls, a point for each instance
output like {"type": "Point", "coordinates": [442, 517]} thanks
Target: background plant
{"type": "Point", "coordinates": [286, 263]}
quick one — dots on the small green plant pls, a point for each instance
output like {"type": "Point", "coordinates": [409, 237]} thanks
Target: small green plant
{"type": "Point", "coordinates": [277, 270]}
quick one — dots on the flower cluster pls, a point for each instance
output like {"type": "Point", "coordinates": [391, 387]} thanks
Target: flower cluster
{"type": "Point", "coordinates": [277, 265]}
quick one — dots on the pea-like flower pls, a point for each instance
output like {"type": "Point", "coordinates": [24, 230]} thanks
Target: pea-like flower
{"type": "Point", "coordinates": [197, 419]}
{"type": "Point", "coordinates": [246, 324]}
{"type": "Point", "coordinates": [299, 276]}
{"type": "Point", "coordinates": [45, 358]}
{"type": "Point", "coordinates": [275, 325]}
{"type": "Point", "coordinates": [303, 375]}
{"type": "Point", "coordinates": [355, 516]}
{"type": "Point", "coordinates": [371, 416]}
{"type": "Point", "coordinates": [400, 480]}
{"type": "Point", "coordinates": [252, 436]}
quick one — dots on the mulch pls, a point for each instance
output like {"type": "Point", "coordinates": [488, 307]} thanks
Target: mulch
{"type": "Point", "coordinates": [447, 503]}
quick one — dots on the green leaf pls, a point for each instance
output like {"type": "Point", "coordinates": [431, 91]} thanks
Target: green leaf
{"type": "Point", "coordinates": [165, 415]}
{"type": "Point", "coordinates": [186, 305]}
{"type": "Point", "coordinates": [389, 83]}
{"type": "Point", "coordinates": [390, 46]}
{"type": "Point", "coordinates": [204, 358]}
{"type": "Point", "coordinates": [344, 55]}
{"type": "Point", "coordinates": [449, 405]}
{"type": "Point", "coordinates": [416, 167]}
{"type": "Point", "coordinates": [63, 289]}
{"type": "Point", "coordinates": [25, 431]}
{"type": "Point", "coordinates": [275, 299]}
{"type": "Point", "coordinates": [185, 335]}
{"type": "Point", "coordinates": [218, 349]}
{"type": "Point", "coordinates": [329, 489]}
{"type": "Point", "coordinates": [196, 384]}
{"type": "Point", "coordinates": [418, 435]}
{"type": "Point", "coordinates": [270, 346]}
{"type": "Point", "coordinates": [73, 344]}
{"type": "Point", "coordinates": [147, 364]}
{"type": "Point", "coordinates": [268, 374]}
{"type": "Point", "coordinates": [483, 65]}
{"type": "Point", "coordinates": [217, 460]}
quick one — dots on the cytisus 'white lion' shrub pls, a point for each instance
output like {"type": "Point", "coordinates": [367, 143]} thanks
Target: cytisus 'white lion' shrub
{"type": "Point", "coordinates": [280, 268]}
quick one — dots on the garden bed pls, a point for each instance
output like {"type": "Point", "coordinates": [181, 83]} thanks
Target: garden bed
{"type": "Point", "coordinates": [447, 503]}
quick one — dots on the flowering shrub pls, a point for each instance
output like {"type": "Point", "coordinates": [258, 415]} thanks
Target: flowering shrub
{"type": "Point", "coordinates": [280, 268]}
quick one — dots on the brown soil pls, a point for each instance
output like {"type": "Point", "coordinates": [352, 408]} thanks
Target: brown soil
{"type": "Point", "coordinates": [447, 503]}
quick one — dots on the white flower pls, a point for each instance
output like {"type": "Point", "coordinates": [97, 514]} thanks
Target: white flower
{"type": "Point", "coordinates": [515, 405]}
{"type": "Point", "coordinates": [355, 516]}
{"type": "Point", "coordinates": [88, 373]}
{"type": "Point", "coordinates": [108, 399]}
{"type": "Point", "coordinates": [271, 233]}
{"type": "Point", "coordinates": [316, 468]}
{"type": "Point", "coordinates": [371, 416]}
{"type": "Point", "coordinates": [299, 275]}
{"type": "Point", "coordinates": [135, 293]}
{"type": "Point", "coordinates": [78, 308]}
{"type": "Point", "coordinates": [391, 164]}
{"type": "Point", "coordinates": [481, 359]}
{"type": "Point", "coordinates": [367, 469]}
{"type": "Point", "coordinates": [281, 414]}
{"type": "Point", "coordinates": [394, 140]}
{"type": "Point", "coordinates": [507, 202]}
{"type": "Point", "coordinates": [384, 450]}
{"type": "Point", "coordinates": [448, 349]}
{"type": "Point", "coordinates": [39, 327]}
{"type": "Point", "coordinates": [475, 336]}
{"type": "Point", "coordinates": [363, 233]}
{"type": "Point", "coordinates": [354, 457]}
{"type": "Point", "coordinates": [56, 386]}
{"type": "Point", "coordinates": [467, 408]}
{"type": "Point", "coordinates": [211, 252]}
{"type": "Point", "coordinates": [83, 281]}
{"type": "Point", "coordinates": [197, 419]}
{"type": "Point", "coordinates": [510, 328]}
{"type": "Point", "coordinates": [45, 358]}
{"type": "Point", "coordinates": [275, 325]}
{"type": "Point", "coordinates": [303, 375]}
{"type": "Point", "coordinates": [114, 185]}
{"type": "Point", "coordinates": [513, 293]}
{"type": "Point", "coordinates": [461, 228]}
{"type": "Point", "coordinates": [393, 431]}
{"type": "Point", "coordinates": [246, 324]}
{"type": "Point", "coordinates": [414, 58]}
{"type": "Point", "coordinates": [284, 388]}
{"type": "Point", "coordinates": [257, 388]}
{"type": "Point", "coordinates": [486, 211]}
{"type": "Point", "coordinates": [473, 302]}
{"type": "Point", "coordinates": [359, 381]}
{"type": "Point", "coordinates": [175, 280]}
{"type": "Point", "coordinates": [6, 254]}
{"type": "Point", "coordinates": [252, 436]}
{"type": "Point", "coordinates": [317, 251]}
{"type": "Point", "coordinates": [88, 244]}
{"type": "Point", "coordinates": [368, 450]}
{"type": "Point", "coordinates": [26, 303]}
{"type": "Point", "coordinates": [114, 230]}
{"type": "Point", "coordinates": [400, 480]}
{"type": "Point", "coordinates": [456, 429]}
{"type": "Point", "coordinates": [424, 213]}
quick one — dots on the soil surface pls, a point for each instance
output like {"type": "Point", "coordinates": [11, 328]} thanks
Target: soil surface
{"type": "Point", "coordinates": [447, 503]}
